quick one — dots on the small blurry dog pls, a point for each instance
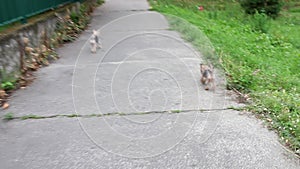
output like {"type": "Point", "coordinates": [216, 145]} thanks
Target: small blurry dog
{"type": "Point", "coordinates": [95, 41]}
{"type": "Point", "coordinates": [207, 76]}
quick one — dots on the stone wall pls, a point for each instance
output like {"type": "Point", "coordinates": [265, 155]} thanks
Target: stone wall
{"type": "Point", "coordinates": [11, 42]}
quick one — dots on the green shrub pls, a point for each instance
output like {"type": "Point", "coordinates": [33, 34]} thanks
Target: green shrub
{"type": "Point", "coordinates": [269, 7]}
{"type": "Point", "coordinates": [74, 17]}
{"type": "Point", "coordinates": [260, 22]}
{"type": "Point", "coordinates": [8, 82]}
{"type": "Point", "coordinates": [100, 2]}
{"type": "Point", "coordinates": [7, 85]}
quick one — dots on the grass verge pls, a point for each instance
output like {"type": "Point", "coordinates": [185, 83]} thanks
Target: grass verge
{"type": "Point", "coordinates": [261, 56]}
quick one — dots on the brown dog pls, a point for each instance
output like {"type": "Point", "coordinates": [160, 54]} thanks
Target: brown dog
{"type": "Point", "coordinates": [207, 76]}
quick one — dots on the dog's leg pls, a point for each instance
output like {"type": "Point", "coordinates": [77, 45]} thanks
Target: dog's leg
{"type": "Point", "coordinates": [93, 48]}
{"type": "Point", "coordinates": [99, 45]}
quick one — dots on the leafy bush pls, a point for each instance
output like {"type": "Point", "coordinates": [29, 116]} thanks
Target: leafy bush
{"type": "Point", "coordinates": [69, 27]}
{"type": "Point", "coordinates": [74, 17]}
{"type": "Point", "coordinates": [260, 22]}
{"type": "Point", "coordinates": [100, 2]}
{"type": "Point", "coordinates": [269, 7]}
{"type": "Point", "coordinates": [7, 85]}
{"type": "Point", "coordinates": [8, 82]}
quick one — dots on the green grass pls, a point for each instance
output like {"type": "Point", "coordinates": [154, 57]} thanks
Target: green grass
{"type": "Point", "coordinates": [261, 56]}
{"type": "Point", "coordinates": [8, 116]}
{"type": "Point", "coordinates": [8, 82]}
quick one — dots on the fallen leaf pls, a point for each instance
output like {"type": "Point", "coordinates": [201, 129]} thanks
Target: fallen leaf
{"type": "Point", "coordinates": [2, 93]}
{"type": "Point", "coordinates": [28, 50]}
{"type": "Point", "coordinates": [25, 40]}
{"type": "Point", "coordinates": [5, 106]}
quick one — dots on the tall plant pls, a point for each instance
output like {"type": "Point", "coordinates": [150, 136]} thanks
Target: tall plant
{"type": "Point", "coordinates": [268, 7]}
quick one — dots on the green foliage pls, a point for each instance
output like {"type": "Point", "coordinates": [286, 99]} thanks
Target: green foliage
{"type": "Point", "coordinates": [269, 7]}
{"type": "Point", "coordinates": [7, 85]}
{"type": "Point", "coordinates": [8, 81]}
{"type": "Point", "coordinates": [68, 28]}
{"type": "Point", "coordinates": [8, 116]}
{"type": "Point", "coordinates": [176, 111]}
{"type": "Point", "coordinates": [195, 36]}
{"type": "Point", "coordinates": [74, 17]}
{"type": "Point", "coordinates": [100, 2]}
{"type": "Point", "coordinates": [260, 22]}
{"type": "Point", "coordinates": [260, 56]}
{"type": "Point", "coordinates": [31, 116]}
{"type": "Point", "coordinates": [282, 109]}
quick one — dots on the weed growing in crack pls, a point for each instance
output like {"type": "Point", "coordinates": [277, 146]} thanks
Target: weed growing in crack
{"type": "Point", "coordinates": [175, 111]}
{"type": "Point", "coordinates": [31, 116]}
{"type": "Point", "coordinates": [71, 115]}
{"type": "Point", "coordinates": [8, 116]}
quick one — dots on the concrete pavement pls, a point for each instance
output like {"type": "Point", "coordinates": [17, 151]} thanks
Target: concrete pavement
{"type": "Point", "coordinates": [143, 67]}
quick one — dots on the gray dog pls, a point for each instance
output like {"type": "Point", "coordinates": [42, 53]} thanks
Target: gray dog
{"type": "Point", "coordinates": [95, 41]}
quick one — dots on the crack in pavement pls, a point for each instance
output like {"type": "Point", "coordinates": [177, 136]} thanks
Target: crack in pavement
{"type": "Point", "coordinates": [122, 11]}
{"type": "Point", "coordinates": [9, 116]}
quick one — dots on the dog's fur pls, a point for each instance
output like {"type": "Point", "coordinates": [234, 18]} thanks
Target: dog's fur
{"type": "Point", "coordinates": [95, 41]}
{"type": "Point", "coordinates": [207, 76]}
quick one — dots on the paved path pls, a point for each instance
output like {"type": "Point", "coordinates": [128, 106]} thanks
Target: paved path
{"type": "Point", "coordinates": [144, 71]}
